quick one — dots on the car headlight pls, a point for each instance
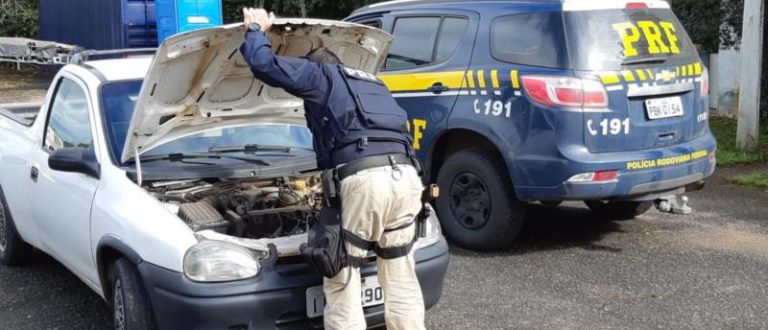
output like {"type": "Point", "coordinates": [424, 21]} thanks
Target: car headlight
{"type": "Point", "coordinates": [217, 261]}
{"type": "Point", "coordinates": [434, 232]}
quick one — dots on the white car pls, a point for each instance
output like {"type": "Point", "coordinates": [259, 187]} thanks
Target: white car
{"type": "Point", "coordinates": [188, 211]}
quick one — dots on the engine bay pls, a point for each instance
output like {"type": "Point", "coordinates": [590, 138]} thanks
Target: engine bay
{"type": "Point", "coordinates": [252, 209]}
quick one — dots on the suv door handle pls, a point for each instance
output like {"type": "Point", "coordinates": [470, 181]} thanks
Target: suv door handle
{"type": "Point", "coordinates": [438, 88]}
{"type": "Point", "coordinates": [34, 173]}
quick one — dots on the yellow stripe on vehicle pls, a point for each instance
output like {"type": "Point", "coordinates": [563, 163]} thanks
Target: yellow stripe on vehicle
{"type": "Point", "coordinates": [610, 78]}
{"type": "Point", "coordinates": [628, 76]}
{"type": "Point", "coordinates": [651, 74]}
{"type": "Point", "coordinates": [677, 71]}
{"type": "Point", "coordinates": [640, 75]}
{"type": "Point", "coordinates": [666, 161]}
{"type": "Point", "coordinates": [481, 78]}
{"type": "Point", "coordinates": [690, 69]}
{"type": "Point", "coordinates": [697, 68]}
{"type": "Point", "coordinates": [515, 79]}
{"type": "Point", "coordinates": [422, 81]}
{"type": "Point", "coordinates": [470, 79]}
{"type": "Point", "coordinates": [495, 78]}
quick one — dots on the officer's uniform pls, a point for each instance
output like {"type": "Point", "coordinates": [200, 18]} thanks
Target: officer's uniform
{"type": "Point", "coordinates": [354, 121]}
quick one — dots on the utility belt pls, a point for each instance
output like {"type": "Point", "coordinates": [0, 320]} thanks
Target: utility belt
{"type": "Point", "coordinates": [332, 191]}
{"type": "Point", "coordinates": [332, 177]}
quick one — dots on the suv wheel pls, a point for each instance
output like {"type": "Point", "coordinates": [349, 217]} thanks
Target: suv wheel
{"type": "Point", "coordinates": [618, 210]}
{"type": "Point", "coordinates": [478, 208]}
{"type": "Point", "coordinates": [13, 250]}
{"type": "Point", "coordinates": [131, 308]}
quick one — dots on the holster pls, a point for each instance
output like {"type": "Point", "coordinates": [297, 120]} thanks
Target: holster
{"type": "Point", "coordinates": [331, 189]}
{"type": "Point", "coordinates": [430, 194]}
{"type": "Point", "coordinates": [324, 251]}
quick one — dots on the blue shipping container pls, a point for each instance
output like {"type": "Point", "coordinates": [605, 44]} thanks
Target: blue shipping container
{"type": "Point", "coordinates": [176, 16]}
{"type": "Point", "coordinates": [99, 24]}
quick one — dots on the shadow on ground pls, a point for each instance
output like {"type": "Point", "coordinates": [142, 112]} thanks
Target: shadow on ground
{"type": "Point", "coordinates": [556, 228]}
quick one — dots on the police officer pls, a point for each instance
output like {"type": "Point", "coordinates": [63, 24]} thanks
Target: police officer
{"type": "Point", "coordinates": [360, 131]}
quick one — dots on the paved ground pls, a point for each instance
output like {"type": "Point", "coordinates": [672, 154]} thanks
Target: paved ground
{"type": "Point", "coordinates": [569, 270]}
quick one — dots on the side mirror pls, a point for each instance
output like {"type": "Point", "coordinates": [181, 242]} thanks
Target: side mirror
{"type": "Point", "coordinates": [75, 160]}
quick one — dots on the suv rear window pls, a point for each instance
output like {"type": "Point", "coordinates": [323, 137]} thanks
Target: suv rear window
{"type": "Point", "coordinates": [530, 39]}
{"type": "Point", "coordinates": [614, 39]}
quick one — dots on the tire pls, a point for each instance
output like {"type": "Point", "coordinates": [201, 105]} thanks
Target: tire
{"type": "Point", "coordinates": [618, 210]}
{"type": "Point", "coordinates": [478, 208]}
{"type": "Point", "coordinates": [131, 308]}
{"type": "Point", "coordinates": [13, 250]}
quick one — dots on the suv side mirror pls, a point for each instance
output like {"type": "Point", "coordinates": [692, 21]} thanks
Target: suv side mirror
{"type": "Point", "coordinates": [75, 160]}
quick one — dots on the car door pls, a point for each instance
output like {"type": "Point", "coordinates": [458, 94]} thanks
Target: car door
{"type": "Point", "coordinates": [427, 65]}
{"type": "Point", "coordinates": [62, 201]}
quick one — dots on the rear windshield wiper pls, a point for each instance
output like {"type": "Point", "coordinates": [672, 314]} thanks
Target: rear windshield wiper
{"type": "Point", "coordinates": [183, 158]}
{"type": "Point", "coordinates": [248, 148]}
{"type": "Point", "coordinates": [646, 60]}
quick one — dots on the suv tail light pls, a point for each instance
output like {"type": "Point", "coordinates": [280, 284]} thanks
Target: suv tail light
{"type": "Point", "coordinates": [705, 82]}
{"type": "Point", "coordinates": [636, 5]}
{"type": "Point", "coordinates": [565, 91]}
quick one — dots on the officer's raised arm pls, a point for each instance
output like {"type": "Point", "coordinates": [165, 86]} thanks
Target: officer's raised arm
{"type": "Point", "coordinates": [297, 76]}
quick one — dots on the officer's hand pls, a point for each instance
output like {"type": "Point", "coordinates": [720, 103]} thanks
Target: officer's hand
{"type": "Point", "coordinates": [258, 16]}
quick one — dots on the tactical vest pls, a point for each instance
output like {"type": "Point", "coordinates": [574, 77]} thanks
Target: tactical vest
{"type": "Point", "coordinates": [371, 116]}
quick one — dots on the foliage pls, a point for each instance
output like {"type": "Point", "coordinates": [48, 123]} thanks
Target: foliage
{"type": "Point", "coordinates": [719, 28]}
{"type": "Point", "coordinates": [757, 180]}
{"type": "Point", "coordinates": [698, 21]}
{"type": "Point", "coordinates": [19, 18]}
{"type": "Point", "coordinates": [713, 24]}
{"type": "Point", "coordinates": [724, 130]}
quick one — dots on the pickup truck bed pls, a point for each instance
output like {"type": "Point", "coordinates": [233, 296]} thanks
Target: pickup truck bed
{"type": "Point", "coordinates": [22, 113]}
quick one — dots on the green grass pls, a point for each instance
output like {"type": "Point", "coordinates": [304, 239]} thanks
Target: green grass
{"type": "Point", "coordinates": [724, 130]}
{"type": "Point", "coordinates": [757, 180]}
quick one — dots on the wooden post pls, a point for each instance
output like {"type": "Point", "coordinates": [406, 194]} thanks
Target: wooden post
{"type": "Point", "coordinates": [748, 129]}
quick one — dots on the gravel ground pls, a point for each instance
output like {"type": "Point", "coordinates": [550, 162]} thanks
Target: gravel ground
{"type": "Point", "coordinates": [707, 270]}
{"type": "Point", "coordinates": [569, 270]}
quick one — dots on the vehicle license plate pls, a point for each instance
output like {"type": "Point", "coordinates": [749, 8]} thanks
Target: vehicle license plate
{"type": "Point", "coordinates": [371, 295]}
{"type": "Point", "coordinates": [664, 107]}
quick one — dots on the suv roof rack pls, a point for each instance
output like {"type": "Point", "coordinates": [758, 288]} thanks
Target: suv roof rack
{"type": "Point", "coordinates": [404, 3]}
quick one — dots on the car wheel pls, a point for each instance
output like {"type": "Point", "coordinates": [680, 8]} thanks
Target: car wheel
{"type": "Point", "coordinates": [13, 250]}
{"type": "Point", "coordinates": [618, 210]}
{"type": "Point", "coordinates": [131, 308]}
{"type": "Point", "coordinates": [478, 208]}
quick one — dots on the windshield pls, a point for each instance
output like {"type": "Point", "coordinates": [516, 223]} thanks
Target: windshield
{"type": "Point", "coordinates": [616, 39]}
{"type": "Point", "coordinates": [119, 99]}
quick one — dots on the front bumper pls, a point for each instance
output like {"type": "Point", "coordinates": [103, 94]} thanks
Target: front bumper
{"type": "Point", "coordinates": [276, 299]}
{"type": "Point", "coordinates": [644, 172]}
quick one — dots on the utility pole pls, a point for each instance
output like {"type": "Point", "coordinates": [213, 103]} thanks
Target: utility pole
{"type": "Point", "coordinates": [748, 128]}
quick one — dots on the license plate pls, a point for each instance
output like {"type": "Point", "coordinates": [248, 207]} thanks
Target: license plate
{"type": "Point", "coordinates": [664, 107]}
{"type": "Point", "coordinates": [371, 294]}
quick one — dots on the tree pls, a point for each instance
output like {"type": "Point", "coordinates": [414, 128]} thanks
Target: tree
{"type": "Point", "coordinates": [18, 18]}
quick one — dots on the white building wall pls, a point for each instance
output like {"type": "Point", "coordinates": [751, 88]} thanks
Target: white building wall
{"type": "Point", "coordinates": [724, 91]}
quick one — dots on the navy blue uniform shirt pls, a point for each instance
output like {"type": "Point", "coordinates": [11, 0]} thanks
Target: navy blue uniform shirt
{"type": "Point", "coordinates": [321, 86]}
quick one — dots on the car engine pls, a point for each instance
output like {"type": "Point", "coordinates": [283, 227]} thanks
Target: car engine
{"type": "Point", "coordinates": [251, 209]}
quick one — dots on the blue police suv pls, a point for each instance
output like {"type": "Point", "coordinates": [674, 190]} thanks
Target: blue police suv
{"type": "Point", "coordinates": [517, 101]}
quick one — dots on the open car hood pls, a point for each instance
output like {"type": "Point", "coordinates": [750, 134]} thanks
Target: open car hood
{"type": "Point", "coordinates": [199, 81]}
